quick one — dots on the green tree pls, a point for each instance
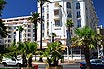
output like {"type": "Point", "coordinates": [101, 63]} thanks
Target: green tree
{"type": "Point", "coordinates": [3, 29]}
{"type": "Point", "coordinates": [31, 48]}
{"type": "Point", "coordinates": [11, 51]}
{"type": "Point", "coordinates": [22, 50]}
{"type": "Point", "coordinates": [34, 20]}
{"type": "Point", "coordinates": [27, 48]}
{"type": "Point", "coordinates": [41, 4]}
{"type": "Point", "coordinates": [86, 39]}
{"type": "Point", "coordinates": [53, 53]}
{"type": "Point", "coordinates": [20, 29]}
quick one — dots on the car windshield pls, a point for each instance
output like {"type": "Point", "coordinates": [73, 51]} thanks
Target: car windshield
{"type": "Point", "coordinates": [96, 61]}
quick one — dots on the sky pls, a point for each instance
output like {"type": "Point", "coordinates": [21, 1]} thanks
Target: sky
{"type": "Point", "coordinates": [16, 8]}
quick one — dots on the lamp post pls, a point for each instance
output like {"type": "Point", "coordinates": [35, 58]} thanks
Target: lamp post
{"type": "Point", "coordinates": [65, 16]}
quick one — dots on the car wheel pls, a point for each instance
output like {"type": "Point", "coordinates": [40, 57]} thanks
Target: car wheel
{"type": "Point", "coordinates": [5, 64]}
{"type": "Point", "coordinates": [18, 64]}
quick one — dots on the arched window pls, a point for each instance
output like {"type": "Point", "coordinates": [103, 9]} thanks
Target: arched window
{"type": "Point", "coordinates": [77, 5]}
{"type": "Point", "coordinates": [68, 5]}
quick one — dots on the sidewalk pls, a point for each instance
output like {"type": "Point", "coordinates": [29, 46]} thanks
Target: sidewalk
{"type": "Point", "coordinates": [65, 62]}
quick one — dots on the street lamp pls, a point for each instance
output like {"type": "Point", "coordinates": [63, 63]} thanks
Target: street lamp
{"type": "Point", "coordinates": [65, 16]}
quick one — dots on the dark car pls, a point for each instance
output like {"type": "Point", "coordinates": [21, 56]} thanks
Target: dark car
{"type": "Point", "coordinates": [95, 64]}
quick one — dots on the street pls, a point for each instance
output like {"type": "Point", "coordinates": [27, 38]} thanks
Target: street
{"type": "Point", "coordinates": [42, 66]}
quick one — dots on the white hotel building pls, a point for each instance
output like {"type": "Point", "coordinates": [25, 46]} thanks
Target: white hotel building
{"type": "Point", "coordinates": [55, 14]}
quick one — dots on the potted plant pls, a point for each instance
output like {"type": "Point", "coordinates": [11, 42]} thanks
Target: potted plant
{"type": "Point", "coordinates": [53, 54]}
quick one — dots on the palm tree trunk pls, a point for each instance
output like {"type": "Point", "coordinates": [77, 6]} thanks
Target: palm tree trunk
{"type": "Point", "coordinates": [87, 57]}
{"type": "Point", "coordinates": [35, 27]}
{"type": "Point", "coordinates": [41, 31]}
{"type": "Point", "coordinates": [35, 57]}
{"type": "Point", "coordinates": [19, 35]}
{"type": "Point", "coordinates": [52, 38]}
{"type": "Point", "coordinates": [68, 36]}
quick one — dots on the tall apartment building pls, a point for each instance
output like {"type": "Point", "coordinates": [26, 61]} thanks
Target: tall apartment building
{"type": "Point", "coordinates": [56, 13]}
{"type": "Point", "coordinates": [13, 34]}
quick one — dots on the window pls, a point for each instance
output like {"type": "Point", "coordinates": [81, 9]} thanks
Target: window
{"type": "Point", "coordinates": [15, 27]}
{"type": "Point", "coordinates": [9, 36]}
{"type": "Point", "coordinates": [68, 5]}
{"type": "Point", "coordinates": [56, 12]}
{"type": "Point", "coordinates": [78, 14]}
{"type": "Point", "coordinates": [9, 41]}
{"type": "Point", "coordinates": [29, 30]}
{"type": "Point", "coordinates": [28, 39]}
{"type": "Point", "coordinates": [42, 9]}
{"type": "Point", "coordinates": [5, 41]}
{"type": "Point", "coordinates": [78, 23]}
{"type": "Point", "coordinates": [47, 24]}
{"type": "Point", "coordinates": [9, 28]}
{"type": "Point", "coordinates": [42, 34]}
{"type": "Point", "coordinates": [29, 26]}
{"type": "Point", "coordinates": [77, 5]}
{"type": "Point", "coordinates": [29, 35]}
{"type": "Point", "coordinates": [69, 15]}
{"type": "Point", "coordinates": [33, 30]}
{"type": "Point", "coordinates": [42, 26]}
{"type": "Point", "coordinates": [42, 17]}
{"type": "Point", "coordinates": [47, 16]}
{"type": "Point", "coordinates": [57, 23]}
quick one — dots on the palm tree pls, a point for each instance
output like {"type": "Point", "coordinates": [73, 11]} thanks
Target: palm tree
{"type": "Point", "coordinates": [20, 29]}
{"type": "Point", "coordinates": [2, 3]}
{"type": "Point", "coordinates": [27, 48]}
{"type": "Point", "coordinates": [11, 51]}
{"type": "Point", "coordinates": [31, 48]}
{"type": "Point", "coordinates": [41, 3]}
{"type": "Point", "coordinates": [34, 20]}
{"type": "Point", "coordinates": [3, 29]}
{"type": "Point", "coordinates": [86, 40]}
{"type": "Point", "coordinates": [53, 53]}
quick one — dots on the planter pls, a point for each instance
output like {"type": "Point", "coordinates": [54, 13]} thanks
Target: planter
{"type": "Point", "coordinates": [54, 67]}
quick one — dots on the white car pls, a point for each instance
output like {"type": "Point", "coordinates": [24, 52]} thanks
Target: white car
{"type": "Point", "coordinates": [11, 61]}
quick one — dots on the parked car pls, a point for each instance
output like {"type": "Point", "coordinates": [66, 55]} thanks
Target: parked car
{"type": "Point", "coordinates": [95, 64]}
{"type": "Point", "coordinates": [11, 61]}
